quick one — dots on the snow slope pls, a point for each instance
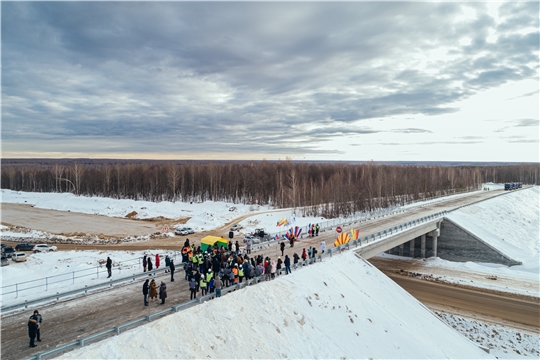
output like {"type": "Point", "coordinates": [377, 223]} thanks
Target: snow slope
{"type": "Point", "coordinates": [509, 223]}
{"type": "Point", "coordinates": [341, 308]}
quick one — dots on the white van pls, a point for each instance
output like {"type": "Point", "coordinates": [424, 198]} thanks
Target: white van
{"type": "Point", "coordinates": [19, 257]}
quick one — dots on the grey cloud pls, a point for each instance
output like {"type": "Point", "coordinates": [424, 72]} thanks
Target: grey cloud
{"type": "Point", "coordinates": [178, 74]}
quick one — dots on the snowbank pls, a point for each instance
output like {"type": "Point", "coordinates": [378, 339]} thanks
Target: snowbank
{"type": "Point", "coordinates": [509, 223]}
{"type": "Point", "coordinates": [342, 308]}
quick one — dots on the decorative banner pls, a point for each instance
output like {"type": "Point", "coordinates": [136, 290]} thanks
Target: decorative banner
{"type": "Point", "coordinates": [339, 229]}
{"type": "Point", "coordinates": [296, 231]}
{"type": "Point", "coordinates": [342, 239]}
{"type": "Point", "coordinates": [309, 228]}
{"type": "Point", "coordinates": [355, 233]}
{"type": "Point", "coordinates": [277, 237]}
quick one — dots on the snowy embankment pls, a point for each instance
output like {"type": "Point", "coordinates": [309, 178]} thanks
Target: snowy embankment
{"type": "Point", "coordinates": [341, 308]}
{"type": "Point", "coordinates": [509, 223]}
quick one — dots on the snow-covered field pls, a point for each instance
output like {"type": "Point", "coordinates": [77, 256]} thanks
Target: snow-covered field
{"type": "Point", "coordinates": [516, 213]}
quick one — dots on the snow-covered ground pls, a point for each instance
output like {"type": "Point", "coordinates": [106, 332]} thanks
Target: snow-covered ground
{"type": "Point", "coordinates": [336, 309]}
{"type": "Point", "coordinates": [519, 215]}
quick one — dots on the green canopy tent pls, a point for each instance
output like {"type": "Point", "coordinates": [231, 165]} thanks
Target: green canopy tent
{"type": "Point", "coordinates": [210, 240]}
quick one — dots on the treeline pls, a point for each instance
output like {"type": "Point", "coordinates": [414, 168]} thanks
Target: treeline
{"type": "Point", "coordinates": [326, 189]}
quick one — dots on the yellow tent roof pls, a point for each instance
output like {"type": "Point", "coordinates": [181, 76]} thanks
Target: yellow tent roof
{"type": "Point", "coordinates": [211, 240]}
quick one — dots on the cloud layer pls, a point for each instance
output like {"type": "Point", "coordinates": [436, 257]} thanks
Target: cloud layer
{"type": "Point", "coordinates": [263, 78]}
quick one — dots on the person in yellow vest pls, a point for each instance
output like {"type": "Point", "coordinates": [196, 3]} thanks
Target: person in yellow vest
{"type": "Point", "coordinates": [209, 275]}
{"type": "Point", "coordinates": [202, 284]}
{"type": "Point", "coordinates": [240, 273]}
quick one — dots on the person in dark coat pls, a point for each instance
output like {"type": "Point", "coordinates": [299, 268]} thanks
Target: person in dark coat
{"type": "Point", "coordinates": [39, 319]}
{"type": "Point", "coordinates": [278, 266]}
{"type": "Point", "coordinates": [108, 265]}
{"type": "Point", "coordinates": [162, 292]}
{"type": "Point", "coordinates": [144, 263]}
{"type": "Point", "coordinates": [172, 267]}
{"type": "Point", "coordinates": [282, 247]}
{"type": "Point", "coordinates": [193, 289]}
{"type": "Point", "coordinates": [145, 292]}
{"type": "Point", "coordinates": [296, 258]}
{"type": "Point", "coordinates": [150, 267]}
{"type": "Point", "coordinates": [287, 264]}
{"type": "Point", "coordinates": [236, 247]}
{"type": "Point", "coordinates": [32, 329]}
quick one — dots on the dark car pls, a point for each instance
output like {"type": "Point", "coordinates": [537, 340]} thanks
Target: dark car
{"type": "Point", "coordinates": [8, 251]}
{"type": "Point", "coordinates": [24, 247]}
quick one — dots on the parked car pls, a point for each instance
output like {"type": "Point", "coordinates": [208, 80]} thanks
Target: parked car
{"type": "Point", "coordinates": [236, 227]}
{"type": "Point", "coordinates": [184, 231]}
{"type": "Point", "coordinates": [254, 239]}
{"type": "Point", "coordinates": [25, 247]}
{"type": "Point", "coordinates": [4, 261]}
{"type": "Point", "coordinates": [19, 257]}
{"type": "Point", "coordinates": [8, 251]}
{"type": "Point", "coordinates": [44, 248]}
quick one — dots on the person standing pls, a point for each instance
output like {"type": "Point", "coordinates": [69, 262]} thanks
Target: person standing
{"type": "Point", "coordinates": [278, 266]}
{"type": "Point", "coordinates": [32, 329]}
{"type": "Point", "coordinates": [150, 266]}
{"type": "Point", "coordinates": [282, 247]}
{"type": "Point", "coordinates": [317, 228]}
{"type": "Point", "coordinates": [218, 285]}
{"type": "Point", "coordinates": [193, 289]}
{"type": "Point", "coordinates": [323, 247]}
{"type": "Point", "coordinates": [287, 264]}
{"type": "Point", "coordinates": [296, 258]}
{"type": "Point", "coordinates": [162, 292]}
{"type": "Point", "coordinates": [157, 261]}
{"type": "Point", "coordinates": [144, 262]}
{"type": "Point", "coordinates": [153, 290]}
{"type": "Point", "coordinates": [172, 268]}
{"type": "Point", "coordinates": [39, 319]}
{"type": "Point", "coordinates": [145, 292]}
{"type": "Point", "coordinates": [108, 265]}
{"type": "Point", "coordinates": [304, 255]}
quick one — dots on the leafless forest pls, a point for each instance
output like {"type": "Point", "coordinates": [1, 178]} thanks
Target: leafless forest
{"type": "Point", "coordinates": [327, 189]}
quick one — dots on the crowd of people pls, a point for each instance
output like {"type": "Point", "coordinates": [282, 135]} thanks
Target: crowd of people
{"type": "Point", "coordinates": [210, 270]}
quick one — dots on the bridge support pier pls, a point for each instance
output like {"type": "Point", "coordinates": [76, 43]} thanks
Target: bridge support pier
{"type": "Point", "coordinates": [401, 250]}
{"type": "Point", "coordinates": [411, 248]}
{"type": "Point", "coordinates": [435, 244]}
{"type": "Point", "coordinates": [423, 246]}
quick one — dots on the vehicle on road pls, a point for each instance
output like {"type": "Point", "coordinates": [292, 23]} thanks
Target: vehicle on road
{"type": "Point", "coordinates": [4, 261]}
{"type": "Point", "coordinates": [25, 247]}
{"type": "Point", "coordinates": [19, 257]}
{"type": "Point", "coordinates": [262, 235]}
{"type": "Point", "coordinates": [44, 248]}
{"type": "Point", "coordinates": [184, 231]}
{"type": "Point", "coordinates": [8, 251]}
{"type": "Point", "coordinates": [254, 239]}
{"type": "Point", "coordinates": [236, 227]}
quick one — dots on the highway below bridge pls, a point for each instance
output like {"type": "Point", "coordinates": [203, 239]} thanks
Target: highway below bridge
{"type": "Point", "coordinates": [72, 319]}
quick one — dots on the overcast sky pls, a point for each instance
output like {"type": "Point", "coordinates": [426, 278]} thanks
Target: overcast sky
{"type": "Point", "coordinates": [250, 80]}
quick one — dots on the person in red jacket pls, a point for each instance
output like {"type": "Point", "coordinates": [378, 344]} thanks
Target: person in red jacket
{"type": "Point", "coordinates": [157, 261]}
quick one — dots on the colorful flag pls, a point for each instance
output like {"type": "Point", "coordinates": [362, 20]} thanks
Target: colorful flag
{"type": "Point", "coordinates": [355, 234]}
{"type": "Point", "coordinates": [342, 239]}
